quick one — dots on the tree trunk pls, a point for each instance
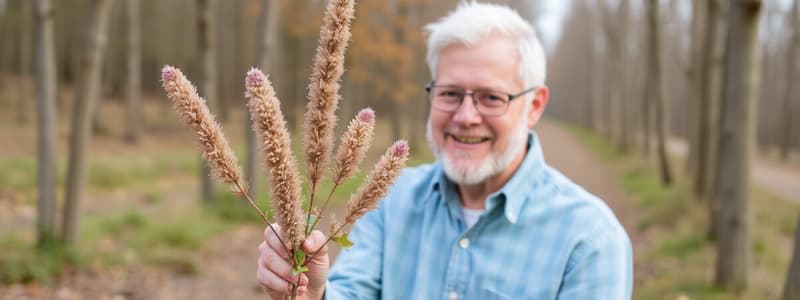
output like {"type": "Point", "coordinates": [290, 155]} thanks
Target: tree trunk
{"type": "Point", "coordinates": [711, 85]}
{"type": "Point", "coordinates": [134, 71]}
{"type": "Point", "coordinates": [655, 84]}
{"type": "Point", "coordinates": [590, 86]}
{"type": "Point", "coordinates": [791, 289]}
{"type": "Point", "coordinates": [646, 121]}
{"type": "Point", "coordinates": [46, 131]}
{"type": "Point", "coordinates": [615, 25]}
{"type": "Point", "coordinates": [623, 75]}
{"type": "Point", "coordinates": [208, 81]}
{"type": "Point", "coordinates": [737, 137]}
{"type": "Point", "coordinates": [164, 37]}
{"type": "Point", "coordinates": [695, 94]}
{"type": "Point", "coordinates": [86, 97]}
{"type": "Point", "coordinates": [6, 37]}
{"type": "Point", "coordinates": [25, 44]}
{"type": "Point", "coordinates": [790, 92]}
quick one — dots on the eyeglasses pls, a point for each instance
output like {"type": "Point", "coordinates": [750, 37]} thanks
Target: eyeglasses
{"type": "Point", "coordinates": [487, 102]}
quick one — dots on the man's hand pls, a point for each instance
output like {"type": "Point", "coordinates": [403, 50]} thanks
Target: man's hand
{"type": "Point", "coordinates": [275, 271]}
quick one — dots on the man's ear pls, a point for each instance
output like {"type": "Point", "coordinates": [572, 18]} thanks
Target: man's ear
{"type": "Point", "coordinates": [540, 96]}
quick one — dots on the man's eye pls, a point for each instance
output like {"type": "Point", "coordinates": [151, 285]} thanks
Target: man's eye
{"type": "Point", "coordinates": [450, 94]}
{"type": "Point", "coordinates": [492, 97]}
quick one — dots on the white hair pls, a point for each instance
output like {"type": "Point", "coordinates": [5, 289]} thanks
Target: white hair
{"type": "Point", "coordinates": [473, 22]}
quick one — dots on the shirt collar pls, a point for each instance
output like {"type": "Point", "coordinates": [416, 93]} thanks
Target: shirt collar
{"type": "Point", "coordinates": [513, 193]}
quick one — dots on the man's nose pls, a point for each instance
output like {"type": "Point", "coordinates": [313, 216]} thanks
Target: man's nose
{"type": "Point", "coordinates": [467, 112]}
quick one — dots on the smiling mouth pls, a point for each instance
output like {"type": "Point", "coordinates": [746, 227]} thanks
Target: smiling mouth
{"type": "Point", "coordinates": [469, 139]}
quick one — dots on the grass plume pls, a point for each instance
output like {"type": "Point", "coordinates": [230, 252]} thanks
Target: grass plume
{"type": "Point", "coordinates": [378, 182]}
{"type": "Point", "coordinates": [353, 146]}
{"type": "Point", "coordinates": [323, 90]}
{"type": "Point", "coordinates": [269, 124]}
{"type": "Point", "coordinates": [192, 108]}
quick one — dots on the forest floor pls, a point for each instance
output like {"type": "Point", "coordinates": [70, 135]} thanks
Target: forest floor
{"type": "Point", "coordinates": [218, 261]}
{"type": "Point", "coordinates": [226, 266]}
{"type": "Point", "coordinates": [779, 177]}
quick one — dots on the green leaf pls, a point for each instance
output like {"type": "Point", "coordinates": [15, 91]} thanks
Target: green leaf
{"type": "Point", "coordinates": [299, 270]}
{"type": "Point", "coordinates": [311, 220]}
{"type": "Point", "coordinates": [299, 257]}
{"type": "Point", "coordinates": [343, 241]}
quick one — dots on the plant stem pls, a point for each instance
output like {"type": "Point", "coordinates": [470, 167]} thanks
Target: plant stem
{"type": "Point", "coordinates": [263, 216]}
{"type": "Point", "coordinates": [310, 207]}
{"type": "Point", "coordinates": [324, 205]}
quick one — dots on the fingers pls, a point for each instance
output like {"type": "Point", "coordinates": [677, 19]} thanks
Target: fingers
{"type": "Point", "coordinates": [275, 273]}
{"type": "Point", "coordinates": [275, 284]}
{"type": "Point", "coordinates": [274, 241]}
{"type": "Point", "coordinates": [275, 270]}
{"type": "Point", "coordinates": [279, 266]}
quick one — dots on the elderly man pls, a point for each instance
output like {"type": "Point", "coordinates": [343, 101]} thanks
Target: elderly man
{"type": "Point", "coordinates": [490, 219]}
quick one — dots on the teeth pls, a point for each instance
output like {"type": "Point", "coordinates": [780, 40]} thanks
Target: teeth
{"type": "Point", "coordinates": [468, 139]}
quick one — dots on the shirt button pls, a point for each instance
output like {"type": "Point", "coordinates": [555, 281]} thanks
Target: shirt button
{"type": "Point", "coordinates": [453, 295]}
{"type": "Point", "coordinates": [464, 243]}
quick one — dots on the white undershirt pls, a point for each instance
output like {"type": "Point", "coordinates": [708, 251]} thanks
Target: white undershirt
{"type": "Point", "coordinates": [471, 216]}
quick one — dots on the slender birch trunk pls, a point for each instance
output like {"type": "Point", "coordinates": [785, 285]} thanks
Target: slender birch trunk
{"type": "Point", "coordinates": [208, 82]}
{"type": "Point", "coordinates": [655, 84]}
{"type": "Point", "coordinates": [86, 97]}
{"type": "Point", "coordinates": [133, 116]}
{"type": "Point", "coordinates": [46, 112]}
{"type": "Point", "coordinates": [790, 93]}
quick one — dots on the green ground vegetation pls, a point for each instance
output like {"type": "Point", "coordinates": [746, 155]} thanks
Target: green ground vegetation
{"type": "Point", "coordinates": [677, 257]}
{"type": "Point", "coordinates": [156, 222]}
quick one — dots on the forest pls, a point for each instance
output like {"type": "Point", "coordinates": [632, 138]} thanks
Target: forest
{"type": "Point", "coordinates": [680, 114]}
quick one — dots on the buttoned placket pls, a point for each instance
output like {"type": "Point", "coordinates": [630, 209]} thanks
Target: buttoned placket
{"type": "Point", "coordinates": [458, 268]}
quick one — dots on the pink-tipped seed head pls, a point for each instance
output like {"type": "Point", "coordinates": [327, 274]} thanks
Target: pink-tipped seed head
{"type": "Point", "coordinates": [255, 77]}
{"type": "Point", "coordinates": [169, 73]}
{"type": "Point", "coordinates": [400, 148]}
{"type": "Point", "coordinates": [366, 115]}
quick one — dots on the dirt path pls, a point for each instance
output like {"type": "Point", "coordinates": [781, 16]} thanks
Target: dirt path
{"type": "Point", "coordinates": [782, 179]}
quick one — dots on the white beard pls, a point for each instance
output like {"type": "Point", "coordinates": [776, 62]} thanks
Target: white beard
{"type": "Point", "coordinates": [493, 165]}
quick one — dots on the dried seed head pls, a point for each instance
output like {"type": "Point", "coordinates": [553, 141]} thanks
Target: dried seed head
{"type": "Point", "coordinates": [400, 148]}
{"type": "Point", "coordinates": [366, 115]}
{"type": "Point", "coordinates": [269, 124]}
{"type": "Point", "coordinates": [353, 146]}
{"type": "Point", "coordinates": [192, 108]}
{"type": "Point", "coordinates": [378, 182]}
{"type": "Point", "coordinates": [323, 91]}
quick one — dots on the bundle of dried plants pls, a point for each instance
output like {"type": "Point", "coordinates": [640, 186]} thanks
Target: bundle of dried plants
{"type": "Point", "coordinates": [320, 120]}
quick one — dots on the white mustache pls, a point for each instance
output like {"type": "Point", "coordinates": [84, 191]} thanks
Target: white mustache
{"type": "Point", "coordinates": [452, 130]}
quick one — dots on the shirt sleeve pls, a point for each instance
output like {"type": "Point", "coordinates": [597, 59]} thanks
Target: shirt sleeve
{"type": "Point", "coordinates": [600, 267]}
{"type": "Point", "coordinates": [356, 274]}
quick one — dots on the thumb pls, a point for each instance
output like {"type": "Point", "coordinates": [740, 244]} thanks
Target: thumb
{"type": "Point", "coordinates": [320, 263]}
{"type": "Point", "coordinates": [313, 243]}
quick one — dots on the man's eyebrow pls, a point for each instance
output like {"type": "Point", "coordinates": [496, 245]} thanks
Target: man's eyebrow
{"type": "Point", "coordinates": [480, 87]}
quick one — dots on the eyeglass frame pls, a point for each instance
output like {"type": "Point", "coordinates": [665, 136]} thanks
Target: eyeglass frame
{"type": "Point", "coordinates": [511, 97]}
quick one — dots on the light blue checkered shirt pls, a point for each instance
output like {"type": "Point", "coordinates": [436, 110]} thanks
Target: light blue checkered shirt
{"type": "Point", "coordinates": [541, 237]}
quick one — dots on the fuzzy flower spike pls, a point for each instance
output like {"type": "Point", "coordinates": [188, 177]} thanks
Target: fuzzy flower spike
{"type": "Point", "coordinates": [352, 149]}
{"type": "Point", "coordinates": [192, 108]}
{"type": "Point", "coordinates": [378, 182]}
{"type": "Point", "coordinates": [269, 123]}
{"type": "Point", "coordinates": [323, 90]}
{"type": "Point", "coordinates": [353, 146]}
